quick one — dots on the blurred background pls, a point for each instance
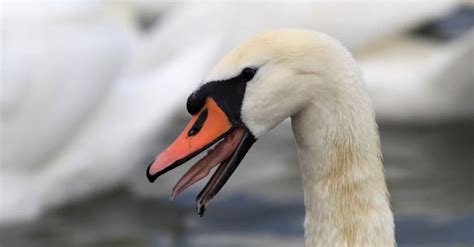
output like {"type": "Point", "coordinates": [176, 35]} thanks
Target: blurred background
{"type": "Point", "coordinates": [92, 90]}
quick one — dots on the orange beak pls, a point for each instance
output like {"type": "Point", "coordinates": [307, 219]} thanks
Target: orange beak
{"type": "Point", "coordinates": [206, 127]}
{"type": "Point", "coordinates": [216, 108]}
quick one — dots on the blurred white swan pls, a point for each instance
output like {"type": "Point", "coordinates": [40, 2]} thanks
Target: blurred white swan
{"type": "Point", "coordinates": [409, 80]}
{"type": "Point", "coordinates": [420, 81]}
{"type": "Point", "coordinates": [57, 69]}
{"type": "Point", "coordinates": [81, 133]}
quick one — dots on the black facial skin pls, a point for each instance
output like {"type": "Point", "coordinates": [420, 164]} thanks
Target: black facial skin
{"type": "Point", "coordinates": [228, 94]}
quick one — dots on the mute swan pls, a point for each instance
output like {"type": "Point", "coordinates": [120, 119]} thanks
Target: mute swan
{"type": "Point", "coordinates": [311, 78]}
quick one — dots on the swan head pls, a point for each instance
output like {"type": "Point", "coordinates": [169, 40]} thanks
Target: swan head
{"type": "Point", "coordinates": [251, 90]}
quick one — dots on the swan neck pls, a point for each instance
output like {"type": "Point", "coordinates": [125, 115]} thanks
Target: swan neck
{"type": "Point", "coordinates": [346, 197]}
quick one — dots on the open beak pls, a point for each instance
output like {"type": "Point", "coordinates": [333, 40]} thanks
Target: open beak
{"type": "Point", "coordinates": [207, 127]}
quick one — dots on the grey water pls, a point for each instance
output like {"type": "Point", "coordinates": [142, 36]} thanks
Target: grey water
{"type": "Point", "coordinates": [429, 172]}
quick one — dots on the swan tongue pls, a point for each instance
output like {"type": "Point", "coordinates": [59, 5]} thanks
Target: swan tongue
{"type": "Point", "coordinates": [223, 172]}
{"type": "Point", "coordinates": [202, 168]}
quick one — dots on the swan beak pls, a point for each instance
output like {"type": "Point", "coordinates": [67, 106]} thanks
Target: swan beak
{"type": "Point", "coordinates": [206, 128]}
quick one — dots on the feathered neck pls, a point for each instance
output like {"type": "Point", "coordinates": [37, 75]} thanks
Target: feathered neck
{"type": "Point", "coordinates": [346, 197]}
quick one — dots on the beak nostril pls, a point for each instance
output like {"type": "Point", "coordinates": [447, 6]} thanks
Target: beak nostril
{"type": "Point", "coordinates": [192, 132]}
{"type": "Point", "coordinates": [199, 123]}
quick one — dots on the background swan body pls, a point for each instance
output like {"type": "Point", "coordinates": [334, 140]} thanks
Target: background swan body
{"type": "Point", "coordinates": [80, 118]}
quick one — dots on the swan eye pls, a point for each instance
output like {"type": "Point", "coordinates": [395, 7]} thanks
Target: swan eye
{"type": "Point", "coordinates": [248, 73]}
